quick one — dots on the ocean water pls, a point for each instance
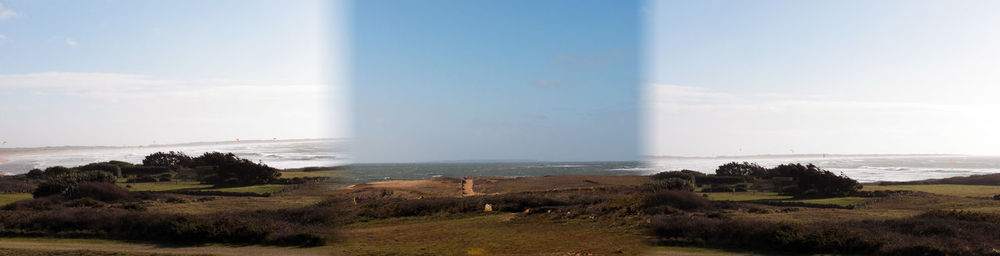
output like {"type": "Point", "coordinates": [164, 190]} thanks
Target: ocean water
{"type": "Point", "coordinates": [278, 154]}
{"type": "Point", "coordinates": [413, 171]}
{"type": "Point", "coordinates": [865, 168]}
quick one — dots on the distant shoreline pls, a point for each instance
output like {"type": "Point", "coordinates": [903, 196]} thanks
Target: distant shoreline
{"type": "Point", "coordinates": [798, 156]}
{"type": "Point", "coordinates": [36, 150]}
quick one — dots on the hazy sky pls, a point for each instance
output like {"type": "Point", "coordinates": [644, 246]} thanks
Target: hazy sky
{"type": "Point", "coordinates": [135, 72]}
{"type": "Point", "coordinates": [495, 80]}
{"type": "Point", "coordinates": [777, 77]}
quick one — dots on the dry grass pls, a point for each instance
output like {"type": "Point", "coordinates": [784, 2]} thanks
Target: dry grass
{"type": "Point", "coordinates": [10, 198]}
{"type": "Point", "coordinates": [532, 184]}
{"type": "Point", "coordinates": [491, 234]}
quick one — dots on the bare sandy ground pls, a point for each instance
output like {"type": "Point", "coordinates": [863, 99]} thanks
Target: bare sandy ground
{"type": "Point", "coordinates": [472, 186]}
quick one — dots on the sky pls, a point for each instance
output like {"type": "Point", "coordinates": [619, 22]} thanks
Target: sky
{"type": "Point", "coordinates": [117, 73]}
{"type": "Point", "coordinates": [804, 77]}
{"type": "Point", "coordinates": [457, 80]}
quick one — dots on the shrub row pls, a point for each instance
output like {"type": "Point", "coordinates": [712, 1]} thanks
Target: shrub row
{"type": "Point", "coordinates": [306, 226]}
{"type": "Point", "coordinates": [932, 233]}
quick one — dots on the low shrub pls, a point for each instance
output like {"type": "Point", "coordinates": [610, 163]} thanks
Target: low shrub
{"type": "Point", "coordinates": [716, 179]}
{"type": "Point", "coordinates": [140, 179]}
{"type": "Point", "coordinates": [679, 199]}
{"type": "Point", "coordinates": [670, 184]}
{"type": "Point", "coordinates": [682, 174]}
{"type": "Point", "coordinates": [15, 185]}
{"type": "Point", "coordinates": [106, 192]}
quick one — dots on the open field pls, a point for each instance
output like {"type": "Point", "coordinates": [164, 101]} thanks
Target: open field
{"type": "Point", "coordinates": [260, 189]}
{"type": "Point", "coordinates": [10, 198]}
{"type": "Point", "coordinates": [165, 186]}
{"type": "Point", "coordinates": [197, 186]}
{"type": "Point", "coordinates": [745, 196]}
{"type": "Point", "coordinates": [500, 233]}
{"type": "Point", "coordinates": [943, 189]}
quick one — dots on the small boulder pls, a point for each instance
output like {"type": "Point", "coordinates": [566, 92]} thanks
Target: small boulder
{"type": "Point", "coordinates": [488, 208]}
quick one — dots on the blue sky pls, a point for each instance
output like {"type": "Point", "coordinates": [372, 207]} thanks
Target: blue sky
{"type": "Point", "coordinates": [778, 77]}
{"type": "Point", "coordinates": [495, 80]}
{"type": "Point", "coordinates": [135, 72]}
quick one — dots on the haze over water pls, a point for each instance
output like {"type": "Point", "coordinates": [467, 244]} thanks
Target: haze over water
{"type": "Point", "coordinates": [864, 168]}
{"type": "Point", "coordinates": [277, 153]}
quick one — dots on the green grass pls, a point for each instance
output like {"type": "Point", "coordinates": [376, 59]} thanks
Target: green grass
{"type": "Point", "coordinates": [10, 198]}
{"type": "Point", "coordinates": [165, 186]}
{"type": "Point", "coordinates": [751, 196]}
{"type": "Point", "coordinates": [842, 201]}
{"type": "Point", "coordinates": [745, 196]}
{"type": "Point", "coordinates": [266, 188]}
{"type": "Point", "coordinates": [197, 186]}
{"type": "Point", "coordinates": [944, 189]}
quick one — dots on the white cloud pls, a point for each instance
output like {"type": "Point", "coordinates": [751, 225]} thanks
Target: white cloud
{"type": "Point", "coordinates": [6, 13]}
{"type": "Point", "coordinates": [71, 42]}
{"type": "Point", "coordinates": [130, 109]}
{"type": "Point", "coordinates": [692, 121]}
{"type": "Point", "coordinates": [3, 37]}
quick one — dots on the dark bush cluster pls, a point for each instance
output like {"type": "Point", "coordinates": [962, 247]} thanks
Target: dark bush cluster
{"type": "Point", "coordinates": [933, 233]}
{"type": "Point", "coordinates": [679, 199]}
{"type": "Point", "coordinates": [232, 170]}
{"type": "Point", "coordinates": [809, 180]}
{"type": "Point", "coordinates": [68, 182]}
{"type": "Point", "coordinates": [682, 174]}
{"type": "Point", "coordinates": [139, 170]}
{"type": "Point", "coordinates": [305, 226]}
{"type": "Point", "coordinates": [743, 169]}
{"type": "Point", "coordinates": [760, 235]}
{"type": "Point", "coordinates": [102, 191]}
{"type": "Point", "coordinates": [670, 184]}
{"type": "Point", "coordinates": [172, 160]}
{"type": "Point", "coordinates": [716, 179]}
{"type": "Point", "coordinates": [814, 181]}
{"type": "Point", "coordinates": [15, 185]}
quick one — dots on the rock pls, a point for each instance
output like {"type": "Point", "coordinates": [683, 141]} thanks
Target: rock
{"type": "Point", "coordinates": [488, 208]}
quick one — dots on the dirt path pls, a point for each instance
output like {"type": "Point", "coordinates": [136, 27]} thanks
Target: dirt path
{"type": "Point", "coordinates": [467, 187]}
{"type": "Point", "coordinates": [147, 248]}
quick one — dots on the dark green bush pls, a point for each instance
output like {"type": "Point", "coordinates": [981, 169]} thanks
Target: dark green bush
{"type": "Point", "coordinates": [679, 199]}
{"type": "Point", "coordinates": [743, 169]}
{"type": "Point", "coordinates": [143, 170]}
{"type": "Point", "coordinates": [67, 182]}
{"type": "Point", "coordinates": [670, 184]}
{"type": "Point", "coordinates": [716, 179]}
{"type": "Point", "coordinates": [170, 160]}
{"type": "Point", "coordinates": [682, 174]}
{"type": "Point", "coordinates": [231, 170]}
{"type": "Point", "coordinates": [107, 192]}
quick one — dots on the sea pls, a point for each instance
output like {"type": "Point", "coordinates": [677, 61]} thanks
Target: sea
{"type": "Point", "coordinates": [275, 153]}
{"type": "Point", "coordinates": [331, 152]}
{"type": "Point", "coordinates": [864, 168]}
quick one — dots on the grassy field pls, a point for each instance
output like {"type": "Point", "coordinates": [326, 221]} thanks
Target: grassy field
{"type": "Point", "coordinates": [751, 196]}
{"type": "Point", "coordinates": [197, 186]}
{"type": "Point", "coordinates": [745, 196]}
{"type": "Point", "coordinates": [944, 189]}
{"type": "Point", "coordinates": [10, 198]}
{"type": "Point", "coordinates": [842, 201]}
{"type": "Point", "coordinates": [165, 186]}
{"type": "Point", "coordinates": [260, 189]}
{"type": "Point", "coordinates": [489, 234]}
